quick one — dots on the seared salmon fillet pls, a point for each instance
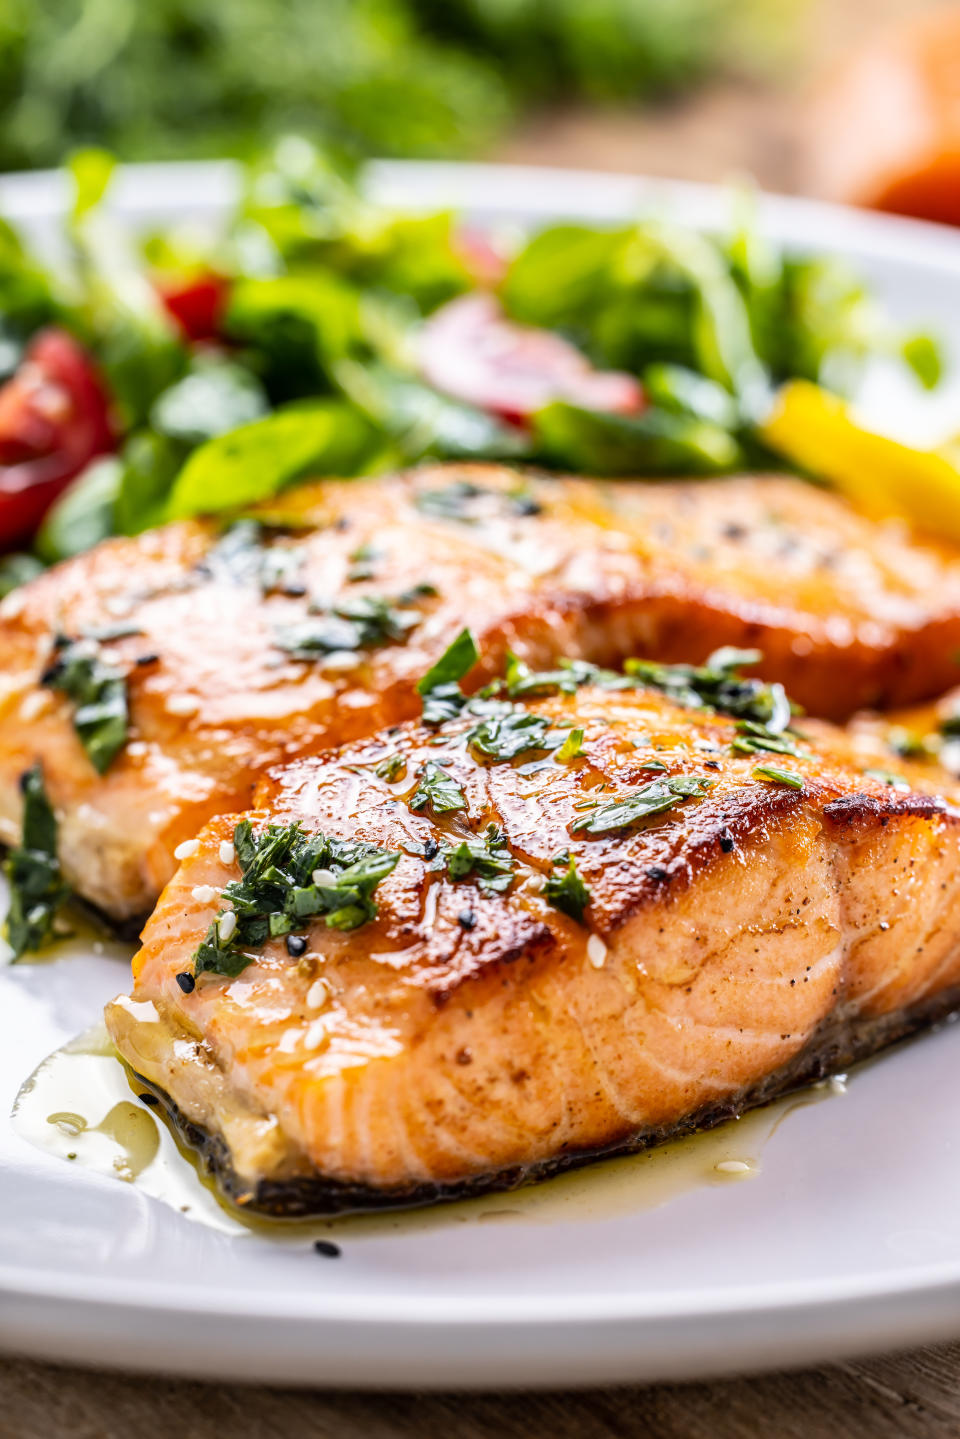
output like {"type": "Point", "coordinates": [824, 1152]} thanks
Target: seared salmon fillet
{"type": "Point", "coordinates": [156, 678]}
{"type": "Point", "coordinates": [541, 929]}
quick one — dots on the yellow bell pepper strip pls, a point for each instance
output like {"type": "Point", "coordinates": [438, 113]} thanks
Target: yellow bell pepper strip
{"type": "Point", "coordinates": [814, 430]}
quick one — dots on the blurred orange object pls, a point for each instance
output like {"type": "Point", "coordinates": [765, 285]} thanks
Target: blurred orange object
{"type": "Point", "coordinates": [886, 131]}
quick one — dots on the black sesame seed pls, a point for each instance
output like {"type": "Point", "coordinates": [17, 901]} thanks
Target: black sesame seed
{"type": "Point", "coordinates": [430, 849]}
{"type": "Point", "coordinates": [327, 1248]}
{"type": "Point", "coordinates": [658, 873]}
{"type": "Point", "coordinates": [710, 764]}
{"type": "Point", "coordinates": [148, 1098]}
{"type": "Point", "coordinates": [186, 982]}
{"type": "Point", "coordinates": [726, 841]}
{"type": "Point", "coordinates": [150, 659]}
{"type": "Point", "coordinates": [467, 918]}
{"type": "Point", "coordinates": [296, 945]}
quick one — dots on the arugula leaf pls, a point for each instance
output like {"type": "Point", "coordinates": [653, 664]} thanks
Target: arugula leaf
{"type": "Point", "coordinates": [438, 790]}
{"type": "Point", "coordinates": [215, 396]}
{"type": "Point", "coordinates": [779, 776]}
{"type": "Point", "coordinates": [653, 798]}
{"type": "Point", "coordinates": [439, 688]}
{"type": "Point", "coordinates": [98, 691]}
{"type": "Point", "coordinates": [421, 421]}
{"type": "Point", "coordinates": [655, 442]}
{"type": "Point", "coordinates": [886, 776]}
{"type": "Point", "coordinates": [289, 878]}
{"type": "Point", "coordinates": [259, 459]}
{"type": "Point", "coordinates": [295, 326]}
{"type": "Point", "coordinates": [567, 892]}
{"type": "Point", "coordinates": [17, 569]}
{"type": "Point", "coordinates": [37, 887]}
{"type": "Point", "coordinates": [83, 515]}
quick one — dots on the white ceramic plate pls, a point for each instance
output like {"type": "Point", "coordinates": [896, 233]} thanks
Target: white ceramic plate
{"type": "Point", "coordinates": [847, 1237]}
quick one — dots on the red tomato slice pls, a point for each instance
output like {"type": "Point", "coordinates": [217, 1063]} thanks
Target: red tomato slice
{"type": "Point", "coordinates": [470, 350]}
{"type": "Point", "coordinates": [196, 304]}
{"type": "Point", "coordinates": [54, 419]}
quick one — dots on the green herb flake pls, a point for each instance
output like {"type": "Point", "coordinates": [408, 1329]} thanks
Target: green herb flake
{"type": "Point", "coordinates": [289, 878]}
{"type": "Point", "coordinates": [98, 691]}
{"type": "Point", "coordinates": [392, 768]}
{"type": "Point", "coordinates": [439, 688]}
{"type": "Point", "coordinates": [509, 731]}
{"type": "Point", "coordinates": [572, 747]}
{"type": "Point", "coordinates": [755, 738]}
{"type": "Point", "coordinates": [567, 891]}
{"type": "Point", "coordinates": [438, 790]}
{"type": "Point", "coordinates": [485, 859]}
{"type": "Point", "coordinates": [886, 776]}
{"type": "Point", "coordinates": [364, 622]}
{"type": "Point", "coordinates": [653, 798]}
{"type": "Point", "coordinates": [37, 887]}
{"type": "Point", "coordinates": [718, 685]}
{"type": "Point", "coordinates": [776, 775]}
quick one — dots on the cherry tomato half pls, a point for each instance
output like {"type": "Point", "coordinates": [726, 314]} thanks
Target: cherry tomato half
{"type": "Point", "coordinates": [197, 304]}
{"type": "Point", "coordinates": [54, 419]}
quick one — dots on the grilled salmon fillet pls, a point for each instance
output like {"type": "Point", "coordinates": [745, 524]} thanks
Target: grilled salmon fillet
{"type": "Point", "coordinates": [573, 949]}
{"type": "Point", "coordinates": [230, 652]}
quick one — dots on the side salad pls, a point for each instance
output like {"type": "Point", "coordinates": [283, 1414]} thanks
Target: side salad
{"type": "Point", "coordinates": [174, 375]}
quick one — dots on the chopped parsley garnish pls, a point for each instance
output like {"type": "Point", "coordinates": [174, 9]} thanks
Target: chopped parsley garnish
{"type": "Point", "coordinates": [508, 732]}
{"type": "Point", "coordinates": [463, 500]}
{"type": "Point", "coordinates": [779, 776]}
{"type": "Point", "coordinates": [242, 556]}
{"type": "Point", "coordinates": [718, 685]}
{"type": "Point", "coordinates": [886, 776]}
{"type": "Point", "coordinates": [485, 858]}
{"type": "Point", "coordinates": [438, 790]}
{"type": "Point", "coordinates": [439, 688]}
{"type": "Point", "coordinates": [288, 879]}
{"type": "Point", "coordinates": [653, 798]}
{"type": "Point", "coordinates": [755, 738]}
{"type": "Point", "coordinates": [98, 691]}
{"type": "Point", "coordinates": [391, 768]}
{"type": "Point", "coordinates": [567, 891]}
{"type": "Point", "coordinates": [521, 682]}
{"type": "Point", "coordinates": [572, 747]}
{"type": "Point", "coordinates": [363, 622]}
{"type": "Point", "coordinates": [37, 888]}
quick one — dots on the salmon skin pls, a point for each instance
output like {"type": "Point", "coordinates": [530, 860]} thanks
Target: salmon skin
{"type": "Point", "coordinates": [157, 678]}
{"type": "Point", "coordinates": [584, 920]}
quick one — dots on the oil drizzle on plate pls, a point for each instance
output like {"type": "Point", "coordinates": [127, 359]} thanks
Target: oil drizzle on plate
{"type": "Point", "coordinates": [84, 1106]}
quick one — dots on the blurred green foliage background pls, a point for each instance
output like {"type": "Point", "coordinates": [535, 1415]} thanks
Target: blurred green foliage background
{"type": "Point", "coordinates": [166, 78]}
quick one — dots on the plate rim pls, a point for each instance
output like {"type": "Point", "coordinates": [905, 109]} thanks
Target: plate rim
{"type": "Point", "coordinates": [921, 1302]}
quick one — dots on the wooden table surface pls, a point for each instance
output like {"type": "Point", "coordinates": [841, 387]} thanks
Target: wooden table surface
{"type": "Point", "coordinates": [727, 129]}
{"type": "Point", "coordinates": [913, 1396]}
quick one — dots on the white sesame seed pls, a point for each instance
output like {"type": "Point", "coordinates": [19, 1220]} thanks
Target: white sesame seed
{"type": "Point", "coordinates": [317, 1035]}
{"type": "Point", "coordinates": [186, 850]}
{"type": "Point", "coordinates": [33, 704]}
{"type": "Point", "coordinates": [227, 852]}
{"type": "Point", "coordinates": [181, 704]}
{"type": "Point", "coordinates": [341, 660]}
{"type": "Point", "coordinates": [204, 893]}
{"type": "Point", "coordinates": [596, 951]}
{"type": "Point", "coordinates": [324, 876]}
{"type": "Point", "coordinates": [732, 1166]}
{"type": "Point", "coordinates": [318, 994]}
{"type": "Point", "coordinates": [137, 747]}
{"type": "Point", "coordinates": [227, 926]}
{"type": "Point", "coordinates": [838, 1084]}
